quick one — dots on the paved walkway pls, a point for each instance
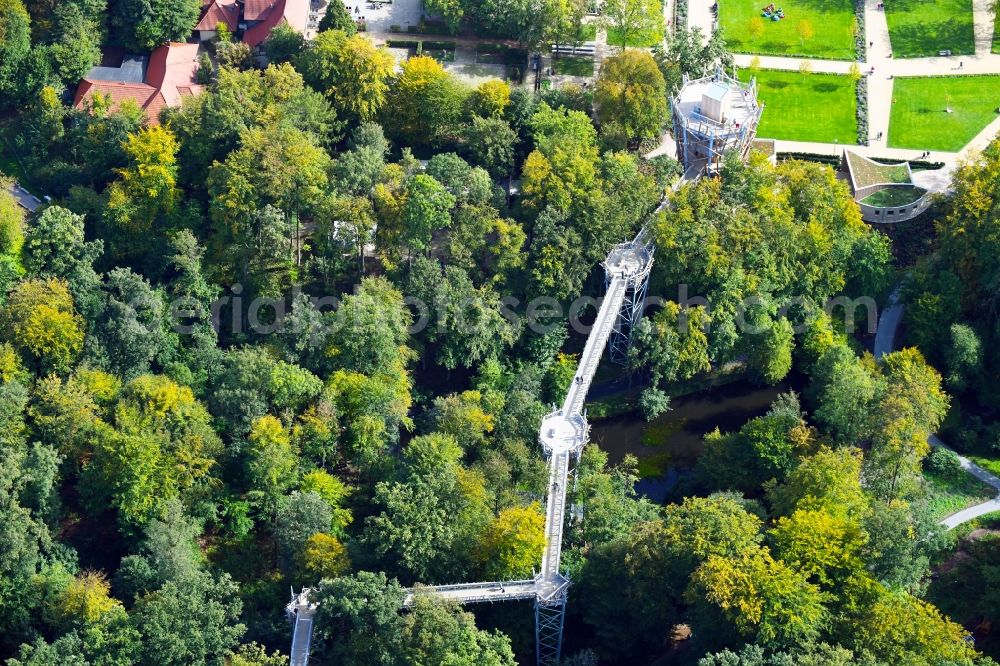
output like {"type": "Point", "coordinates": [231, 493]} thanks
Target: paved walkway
{"type": "Point", "coordinates": [700, 16]}
{"type": "Point", "coordinates": [882, 68]}
{"type": "Point", "coordinates": [983, 23]}
{"type": "Point", "coordinates": [27, 201]}
{"type": "Point", "coordinates": [885, 338]}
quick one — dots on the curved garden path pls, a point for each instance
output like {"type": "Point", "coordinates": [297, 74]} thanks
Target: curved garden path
{"type": "Point", "coordinates": [885, 336]}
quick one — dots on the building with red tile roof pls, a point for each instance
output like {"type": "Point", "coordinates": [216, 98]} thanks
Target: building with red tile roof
{"type": "Point", "coordinates": [214, 12]}
{"type": "Point", "coordinates": [170, 74]}
{"type": "Point", "coordinates": [262, 16]}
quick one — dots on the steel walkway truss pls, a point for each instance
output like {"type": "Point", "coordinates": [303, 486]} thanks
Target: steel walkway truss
{"type": "Point", "coordinates": [563, 434]}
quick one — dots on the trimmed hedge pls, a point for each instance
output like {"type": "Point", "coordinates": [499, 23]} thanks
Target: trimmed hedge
{"type": "Point", "coordinates": [835, 160]}
{"type": "Point", "coordinates": [832, 160]}
{"type": "Point", "coordinates": [681, 15]}
{"type": "Point", "coordinates": [861, 89]}
{"type": "Point", "coordinates": [442, 46]}
{"type": "Point", "coordinates": [860, 45]}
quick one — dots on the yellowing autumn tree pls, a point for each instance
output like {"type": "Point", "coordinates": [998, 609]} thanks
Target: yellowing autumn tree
{"type": "Point", "coordinates": [41, 322]}
{"type": "Point", "coordinates": [763, 597]}
{"type": "Point", "coordinates": [324, 556]}
{"type": "Point", "coordinates": [272, 459]}
{"type": "Point", "coordinates": [85, 600]}
{"type": "Point", "coordinates": [147, 188]}
{"type": "Point", "coordinates": [513, 542]}
{"type": "Point", "coordinates": [490, 98]}
{"type": "Point", "coordinates": [826, 548]}
{"type": "Point", "coordinates": [350, 71]}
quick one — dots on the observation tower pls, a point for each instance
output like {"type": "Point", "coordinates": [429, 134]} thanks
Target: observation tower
{"type": "Point", "coordinates": [713, 116]}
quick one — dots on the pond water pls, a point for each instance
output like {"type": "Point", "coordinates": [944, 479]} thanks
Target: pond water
{"type": "Point", "coordinates": [668, 446]}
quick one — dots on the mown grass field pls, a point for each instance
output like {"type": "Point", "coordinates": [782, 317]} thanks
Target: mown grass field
{"type": "Point", "coordinates": [830, 21]}
{"type": "Point", "coordinates": [949, 495]}
{"type": "Point", "coordinates": [920, 28]}
{"type": "Point", "coordinates": [919, 118]}
{"type": "Point", "coordinates": [806, 107]}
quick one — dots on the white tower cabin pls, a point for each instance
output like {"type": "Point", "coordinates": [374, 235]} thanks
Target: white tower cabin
{"type": "Point", "coordinates": [713, 116]}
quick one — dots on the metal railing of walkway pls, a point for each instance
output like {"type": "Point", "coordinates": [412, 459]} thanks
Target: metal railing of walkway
{"type": "Point", "coordinates": [563, 433]}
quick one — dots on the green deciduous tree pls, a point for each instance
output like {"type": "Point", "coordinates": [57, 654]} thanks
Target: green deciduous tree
{"type": "Point", "coordinates": [350, 71]}
{"type": "Point", "coordinates": [334, 492]}
{"type": "Point", "coordinates": [631, 18]}
{"type": "Point", "coordinates": [426, 208]}
{"type": "Point", "coordinates": [338, 18]}
{"type": "Point", "coordinates": [440, 632]}
{"type": "Point", "coordinates": [15, 28]}
{"type": "Point", "coordinates": [465, 416]}
{"type": "Point", "coordinates": [76, 42]}
{"type": "Point", "coordinates": [963, 356]}
{"type": "Point", "coordinates": [55, 247]}
{"type": "Point", "coordinates": [425, 521]}
{"type": "Point", "coordinates": [450, 10]}
{"type": "Point", "coordinates": [284, 43]}
{"type": "Point", "coordinates": [142, 25]}
{"type": "Point", "coordinates": [492, 142]}
{"type": "Point", "coordinates": [913, 406]}
{"type": "Point", "coordinates": [358, 618]}
{"type": "Point", "coordinates": [848, 389]}
{"type": "Point", "coordinates": [631, 96]}
{"type": "Point", "coordinates": [298, 517]}
{"type": "Point", "coordinates": [190, 621]}
{"type": "Point", "coordinates": [424, 104]}
{"type": "Point", "coordinates": [160, 446]}
{"type": "Point", "coordinates": [130, 329]}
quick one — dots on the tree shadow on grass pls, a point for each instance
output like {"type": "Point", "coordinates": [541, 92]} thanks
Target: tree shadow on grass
{"type": "Point", "coordinates": [821, 6]}
{"type": "Point", "coordinates": [826, 87]}
{"type": "Point", "coordinates": [928, 38]}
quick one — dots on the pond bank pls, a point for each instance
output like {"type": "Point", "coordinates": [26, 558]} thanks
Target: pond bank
{"type": "Point", "coordinates": [668, 447]}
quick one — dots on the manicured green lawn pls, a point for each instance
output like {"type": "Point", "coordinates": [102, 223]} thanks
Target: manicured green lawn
{"type": "Point", "coordinates": [894, 196]}
{"type": "Point", "coordinates": [573, 66]}
{"type": "Point", "coordinates": [991, 465]}
{"type": "Point", "coordinates": [924, 27]}
{"type": "Point", "coordinates": [919, 120]}
{"type": "Point", "coordinates": [806, 107]}
{"type": "Point", "coordinates": [830, 21]}
{"type": "Point", "coordinates": [949, 495]}
{"type": "Point", "coordinates": [639, 40]}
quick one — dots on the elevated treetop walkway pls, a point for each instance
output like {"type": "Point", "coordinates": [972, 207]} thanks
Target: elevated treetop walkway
{"type": "Point", "coordinates": [563, 434]}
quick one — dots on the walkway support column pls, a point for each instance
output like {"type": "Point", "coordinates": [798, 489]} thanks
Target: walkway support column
{"type": "Point", "coordinates": [550, 616]}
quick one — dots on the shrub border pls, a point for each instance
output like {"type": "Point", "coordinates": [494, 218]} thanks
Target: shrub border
{"type": "Point", "coordinates": [861, 109]}
{"type": "Point", "coordinates": [835, 159]}
{"type": "Point", "coordinates": [681, 14]}
{"type": "Point", "coordinates": [860, 39]}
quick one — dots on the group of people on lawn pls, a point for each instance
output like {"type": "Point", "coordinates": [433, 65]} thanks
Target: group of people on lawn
{"type": "Point", "coordinates": [772, 13]}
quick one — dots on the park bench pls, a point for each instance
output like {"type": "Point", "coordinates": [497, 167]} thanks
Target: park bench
{"type": "Point", "coordinates": [569, 50]}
